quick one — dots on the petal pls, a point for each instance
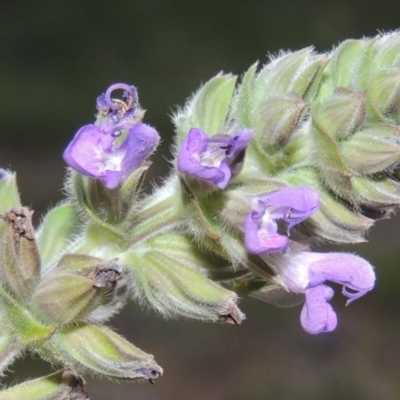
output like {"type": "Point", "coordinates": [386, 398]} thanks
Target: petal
{"type": "Point", "coordinates": [317, 315]}
{"type": "Point", "coordinates": [140, 143]}
{"type": "Point", "coordinates": [259, 240]}
{"type": "Point", "coordinates": [195, 143]}
{"type": "Point", "coordinates": [241, 140]}
{"type": "Point", "coordinates": [293, 204]}
{"type": "Point", "coordinates": [238, 145]}
{"type": "Point", "coordinates": [111, 179]}
{"type": "Point", "coordinates": [85, 150]}
{"type": "Point", "coordinates": [351, 271]}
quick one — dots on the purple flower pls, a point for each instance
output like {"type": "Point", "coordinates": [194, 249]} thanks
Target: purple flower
{"type": "Point", "coordinates": [100, 154]}
{"type": "Point", "coordinates": [290, 205]}
{"type": "Point", "coordinates": [215, 160]}
{"type": "Point", "coordinates": [306, 272]}
{"type": "Point", "coordinates": [117, 111]}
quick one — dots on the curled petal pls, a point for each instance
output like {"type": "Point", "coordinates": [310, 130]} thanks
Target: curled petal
{"type": "Point", "coordinates": [351, 271]}
{"type": "Point", "coordinates": [105, 103]}
{"type": "Point", "coordinates": [129, 97]}
{"type": "Point", "coordinates": [317, 315]}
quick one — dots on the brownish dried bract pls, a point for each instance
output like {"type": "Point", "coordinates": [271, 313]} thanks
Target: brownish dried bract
{"type": "Point", "coordinates": [21, 220]}
{"type": "Point", "coordinates": [233, 317]}
{"type": "Point", "coordinates": [76, 383]}
{"type": "Point", "coordinates": [19, 255]}
{"type": "Point", "coordinates": [103, 277]}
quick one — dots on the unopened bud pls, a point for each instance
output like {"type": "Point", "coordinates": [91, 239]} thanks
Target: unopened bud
{"type": "Point", "coordinates": [291, 72]}
{"type": "Point", "coordinates": [76, 287]}
{"type": "Point", "coordinates": [383, 95]}
{"type": "Point", "coordinates": [388, 50]}
{"type": "Point", "coordinates": [336, 222]}
{"type": "Point", "coordinates": [374, 148]}
{"type": "Point", "coordinates": [19, 256]}
{"type": "Point", "coordinates": [100, 351]}
{"type": "Point", "coordinates": [376, 193]}
{"type": "Point", "coordinates": [277, 120]}
{"type": "Point", "coordinates": [168, 283]}
{"type": "Point", "coordinates": [62, 385]}
{"type": "Point", "coordinates": [346, 66]}
{"type": "Point", "coordinates": [341, 114]}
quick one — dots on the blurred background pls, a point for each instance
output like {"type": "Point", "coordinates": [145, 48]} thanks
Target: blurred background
{"type": "Point", "coordinates": [57, 56]}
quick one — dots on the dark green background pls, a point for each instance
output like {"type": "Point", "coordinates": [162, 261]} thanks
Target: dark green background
{"type": "Point", "coordinates": [57, 56]}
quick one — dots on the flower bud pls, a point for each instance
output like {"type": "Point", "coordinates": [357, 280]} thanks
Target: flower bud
{"type": "Point", "coordinates": [387, 51]}
{"type": "Point", "coordinates": [376, 193]}
{"type": "Point", "coordinates": [341, 114]}
{"type": "Point", "coordinates": [383, 95]}
{"type": "Point", "coordinates": [374, 148]}
{"type": "Point", "coordinates": [164, 281]}
{"type": "Point", "coordinates": [336, 222]}
{"type": "Point", "coordinates": [19, 256]}
{"type": "Point", "coordinates": [62, 385]}
{"type": "Point", "coordinates": [346, 67]}
{"type": "Point", "coordinates": [291, 72]}
{"type": "Point", "coordinates": [75, 288]}
{"type": "Point", "coordinates": [100, 351]}
{"type": "Point", "coordinates": [208, 108]}
{"type": "Point", "coordinates": [8, 191]}
{"type": "Point", "coordinates": [327, 157]}
{"type": "Point", "coordinates": [277, 120]}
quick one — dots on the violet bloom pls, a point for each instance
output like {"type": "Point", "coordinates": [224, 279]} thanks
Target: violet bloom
{"type": "Point", "coordinates": [99, 154]}
{"type": "Point", "coordinates": [215, 160]}
{"type": "Point", "coordinates": [117, 111]}
{"type": "Point", "coordinates": [291, 205]}
{"type": "Point", "coordinates": [306, 272]}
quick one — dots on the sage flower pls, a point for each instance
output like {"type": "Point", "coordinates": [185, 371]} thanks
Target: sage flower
{"type": "Point", "coordinates": [306, 272]}
{"type": "Point", "coordinates": [98, 153]}
{"type": "Point", "coordinates": [291, 205]}
{"type": "Point", "coordinates": [215, 160]}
